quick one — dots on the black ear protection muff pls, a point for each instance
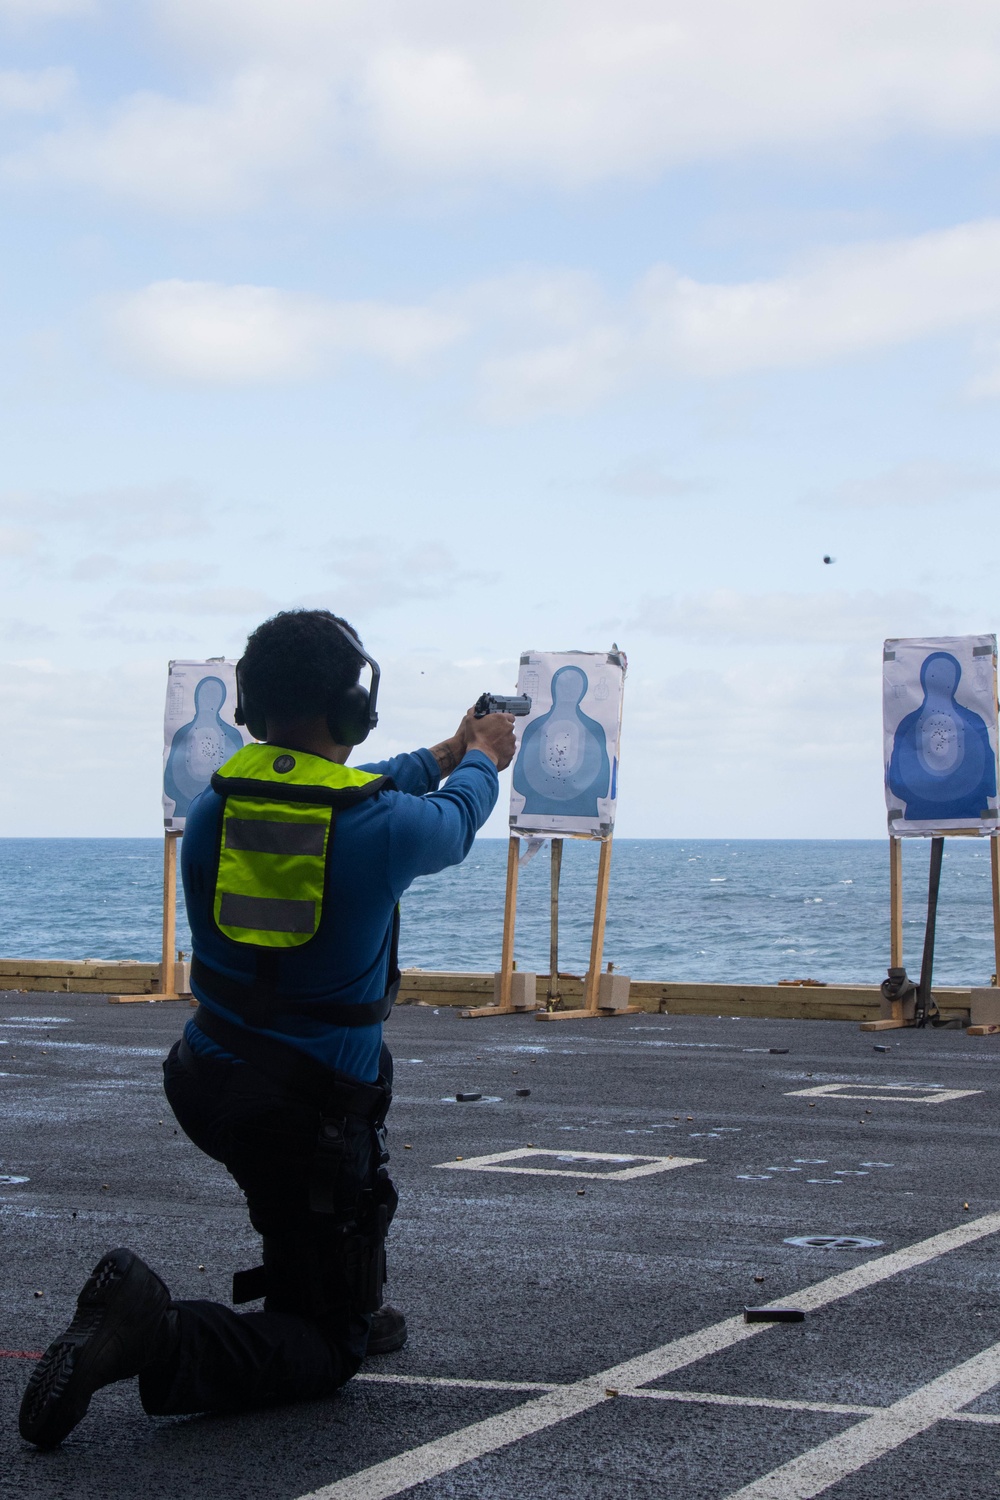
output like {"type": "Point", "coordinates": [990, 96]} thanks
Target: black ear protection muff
{"type": "Point", "coordinates": [350, 716]}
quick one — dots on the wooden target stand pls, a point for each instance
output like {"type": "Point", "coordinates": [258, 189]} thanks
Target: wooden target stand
{"type": "Point", "coordinates": [897, 1019]}
{"type": "Point", "coordinates": [592, 983]}
{"type": "Point", "coordinates": [173, 971]}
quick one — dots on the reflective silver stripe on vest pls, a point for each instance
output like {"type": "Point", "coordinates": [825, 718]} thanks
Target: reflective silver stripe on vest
{"type": "Point", "coordinates": [267, 913]}
{"type": "Point", "coordinates": [262, 836]}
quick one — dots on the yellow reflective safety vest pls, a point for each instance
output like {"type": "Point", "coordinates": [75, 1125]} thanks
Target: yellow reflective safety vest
{"type": "Point", "coordinates": [278, 818]}
{"type": "Point", "coordinates": [276, 832]}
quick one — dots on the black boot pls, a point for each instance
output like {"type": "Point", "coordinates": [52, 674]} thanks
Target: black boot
{"type": "Point", "coordinates": [119, 1315]}
{"type": "Point", "coordinates": [388, 1331]}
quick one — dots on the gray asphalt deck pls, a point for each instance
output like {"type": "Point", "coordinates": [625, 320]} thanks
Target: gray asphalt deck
{"type": "Point", "coordinates": [525, 1280]}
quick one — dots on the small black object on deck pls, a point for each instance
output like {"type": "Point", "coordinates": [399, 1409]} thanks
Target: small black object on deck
{"type": "Point", "coordinates": [773, 1315]}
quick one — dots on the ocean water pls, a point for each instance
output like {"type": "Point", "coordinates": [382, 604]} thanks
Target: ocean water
{"type": "Point", "coordinates": [679, 909]}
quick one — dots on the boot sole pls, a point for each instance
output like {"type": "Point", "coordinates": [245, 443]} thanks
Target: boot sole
{"type": "Point", "coordinates": [67, 1375]}
{"type": "Point", "coordinates": [44, 1400]}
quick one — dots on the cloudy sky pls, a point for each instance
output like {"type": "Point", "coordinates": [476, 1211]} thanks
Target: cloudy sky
{"type": "Point", "coordinates": [538, 325]}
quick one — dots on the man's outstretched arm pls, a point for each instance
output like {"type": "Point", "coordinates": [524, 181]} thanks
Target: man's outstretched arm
{"type": "Point", "coordinates": [429, 833]}
{"type": "Point", "coordinates": [422, 771]}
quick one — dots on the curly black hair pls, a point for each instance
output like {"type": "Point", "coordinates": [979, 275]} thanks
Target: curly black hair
{"type": "Point", "coordinates": [297, 662]}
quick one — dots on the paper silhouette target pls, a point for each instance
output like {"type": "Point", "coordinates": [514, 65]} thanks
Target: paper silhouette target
{"type": "Point", "coordinates": [565, 778]}
{"type": "Point", "coordinates": [199, 732]}
{"type": "Point", "coordinates": [940, 734]}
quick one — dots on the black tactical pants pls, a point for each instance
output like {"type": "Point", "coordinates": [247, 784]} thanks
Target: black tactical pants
{"type": "Point", "coordinates": [311, 1336]}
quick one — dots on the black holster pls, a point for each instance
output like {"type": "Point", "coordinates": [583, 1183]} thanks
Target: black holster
{"type": "Point", "coordinates": [354, 1199]}
{"type": "Point", "coordinates": [364, 1264]}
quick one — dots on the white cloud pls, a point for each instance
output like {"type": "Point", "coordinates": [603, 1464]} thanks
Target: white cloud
{"type": "Point", "coordinates": [647, 480]}
{"type": "Point", "coordinates": [120, 515]}
{"type": "Point", "coordinates": [987, 382]}
{"type": "Point", "coordinates": [550, 340]}
{"type": "Point", "coordinates": [113, 719]}
{"type": "Point", "coordinates": [241, 335]}
{"type": "Point", "coordinates": [922, 481]}
{"type": "Point", "coordinates": [840, 304]}
{"type": "Point", "coordinates": [187, 601]}
{"type": "Point", "coordinates": [372, 573]}
{"type": "Point", "coordinates": [732, 618]}
{"type": "Point", "coordinates": [363, 98]}
{"type": "Point", "coordinates": [18, 542]}
{"type": "Point", "coordinates": [845, 302]}
{"type": "Point", "coordinates": [14, 630]}
{"type": "Point", "coordinates": [34, 93]}
{"type": "Point", "coordinates": [208, 155]}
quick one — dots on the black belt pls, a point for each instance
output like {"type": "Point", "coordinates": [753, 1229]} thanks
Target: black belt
{"type": "Point", "coordinates": [334, 1092]}
{"type": "Point", "coordinates": [241, 997]}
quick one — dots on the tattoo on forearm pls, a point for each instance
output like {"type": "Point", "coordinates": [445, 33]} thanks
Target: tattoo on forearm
{"type": "Point", "coordinates": [445, 756]}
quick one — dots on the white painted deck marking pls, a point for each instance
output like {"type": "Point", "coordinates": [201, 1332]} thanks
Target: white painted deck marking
{"type": "Point", "coordinates": [692, 1398]}
{"type": "Point", "coordinates": [813, 1472]}
{"type": "Point", "coordinates": [884, 1093]}
{"type": "Point", "coordinates": [463, 1385]}
{"type": "Point", "coordinates": [417, 1465]}
{"type": "Point", "coordinates": [503, 1161]}
{"type": "Point", "coordinates": [641, 1393]}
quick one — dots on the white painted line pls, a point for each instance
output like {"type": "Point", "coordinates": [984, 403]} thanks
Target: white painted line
{"type": "Point", "coordinates": [442, 1455]}
{"type": "Point", "coordinates": [771, 1403]}
{"type": "Point", "coordinates": [887, 1093]}
{"type": "Point", "coordinates": [643, 1393]}
{"type": "Point", "coordinates": [463, 1385]}
{"type": "Point", "coordinates": [813, 1472]}
{"type": "Point", "coordinates": [51, 1044]}
{"type": "Point", "coordinates": [648, 1165]}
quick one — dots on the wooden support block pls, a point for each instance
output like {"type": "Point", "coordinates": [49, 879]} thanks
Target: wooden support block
{"type": "Point", "coordinates": [612, 991]}
{"type": "Point", "coordinates": [984, 1007]}
{"type": "Point", "coordinates": [891, 1025]}
{"type": "Point", "coordinates": [523, 988]}
{"type": "Point", "coordinates": [903, 1011]}
{"type": "Point", "coordinates": [981, 1030]}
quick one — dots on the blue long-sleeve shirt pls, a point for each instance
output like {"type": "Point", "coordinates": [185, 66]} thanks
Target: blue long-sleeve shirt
{"type": "Point", "coordinates": [380, 846]}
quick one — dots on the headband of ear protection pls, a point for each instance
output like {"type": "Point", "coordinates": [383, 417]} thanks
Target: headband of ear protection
{"type": "Point", "coordinates": [350, 715]}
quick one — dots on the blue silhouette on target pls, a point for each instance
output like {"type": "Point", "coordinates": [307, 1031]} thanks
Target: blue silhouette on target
{"type": "Point", "coordinates": [199, 747]}
{"type": "Point", "coordinates": [942, 763]}
{"type": "Point", "coordinates": [563, 765]}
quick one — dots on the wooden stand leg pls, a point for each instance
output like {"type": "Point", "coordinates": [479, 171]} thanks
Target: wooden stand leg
{"type": "Point", "coordinates": [556, 850]}
{"type": "Point", "coordinates": [597, 936]}
{"type": "Point", "coordinates": [896, 903]}
{"type": "Point", "coordinates": [593, 979]}
{"type": "Point", "coordinates": [991, 1029]}
{"type": "Point", "coordinates": [895, 1021]}
{"type": "Point", "coordinates": [168, 949]}
{"type": "Point", "coordinates": [169, 945]}
{"type": "Point", "coordinates": [507, 953]}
